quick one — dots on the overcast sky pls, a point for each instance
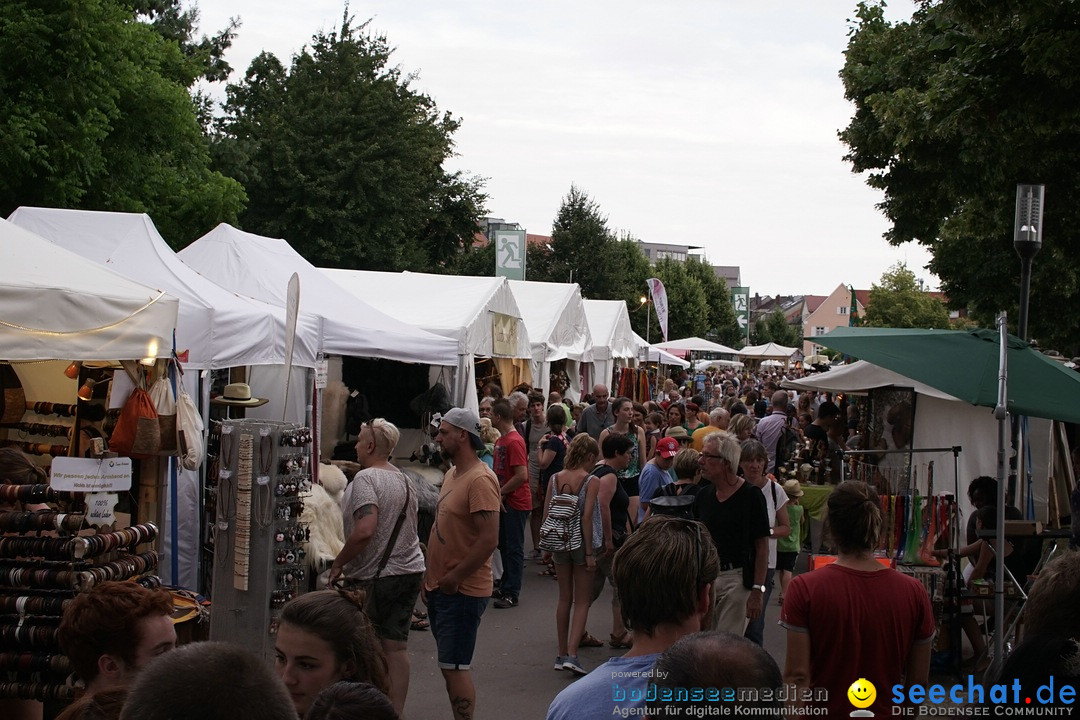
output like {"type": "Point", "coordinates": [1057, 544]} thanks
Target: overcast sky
{"type": "Point", "coordinates": [710, 123]}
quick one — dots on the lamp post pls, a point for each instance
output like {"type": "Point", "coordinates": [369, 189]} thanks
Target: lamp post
{"type": "Point", "coordinates": [1027, 239]}
{"type": "Point", "coordinates": [648, 316]}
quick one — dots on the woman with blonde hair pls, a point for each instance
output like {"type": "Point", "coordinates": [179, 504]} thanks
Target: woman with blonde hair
{"type": "Point", "coordinates": [742, 426]}
{"type": "Point", "coordinates": [574, 569]}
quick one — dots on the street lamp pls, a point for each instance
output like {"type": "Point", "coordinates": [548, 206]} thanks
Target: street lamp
{"type": "Point", "coordinates": [1027, 239]}
{"type": "Point", "coordinates": [648, 316]}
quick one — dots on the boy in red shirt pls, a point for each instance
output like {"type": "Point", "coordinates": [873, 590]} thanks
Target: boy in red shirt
{"type": "Point", "coordinates": [511, 465]}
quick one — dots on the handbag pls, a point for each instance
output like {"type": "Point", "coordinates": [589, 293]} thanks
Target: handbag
{"type": "Point", "coordinates": [13, 398]}
{"type": "Point", "coordinates": [161, 395]}
{"type": "Point", "coordinates": [189, 430]}
{"type": "Point", "coordinates": [561, 529]}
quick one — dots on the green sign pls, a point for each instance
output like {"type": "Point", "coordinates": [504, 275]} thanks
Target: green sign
{"type": "Point", "coordinates": [510, 254]}
{"type": "Point", "coordinates": [740, 299]}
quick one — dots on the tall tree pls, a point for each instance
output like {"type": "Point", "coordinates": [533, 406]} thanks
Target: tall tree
{"type": "Point", "coordinates": [345, 159]}
{"type": "Point", "coordinates": [774, 327]}
{"type": "Point", "coordinates": [898, 302]}
{"type": "Point", "coordinates": [584, 250]}
{"type": "Point", "coordinates": [688, 305]}
{"type": "Point", "coordinates": [721, 324]}
{"type": "Point", "coordinates": [95, 113]}
{"type": "Point", "coordinates": [952, 110]}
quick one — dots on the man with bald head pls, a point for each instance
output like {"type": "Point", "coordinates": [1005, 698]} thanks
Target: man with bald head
{"type": "Point", "coordinates": [596, 418]}
{"type": "Point", "coordinates": [770, 427]}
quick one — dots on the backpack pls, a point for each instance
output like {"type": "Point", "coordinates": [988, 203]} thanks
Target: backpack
{"type": "Point", "coordinates": [785, 447]}
{"type": "Point", "coordinates": [561, 531]}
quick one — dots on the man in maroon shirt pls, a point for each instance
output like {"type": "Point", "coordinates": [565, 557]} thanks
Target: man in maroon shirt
{"type": "Point", "coordinates": [511, 465]}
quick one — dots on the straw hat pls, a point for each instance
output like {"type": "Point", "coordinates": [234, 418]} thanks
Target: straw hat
{"type": "Point", "coordinates": [239, 395]}
{"type": "Point", "coordinates": [793, 489]}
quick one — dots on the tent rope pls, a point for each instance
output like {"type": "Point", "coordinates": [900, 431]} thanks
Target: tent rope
{"type": "Point", "coordinates": [58, 333]}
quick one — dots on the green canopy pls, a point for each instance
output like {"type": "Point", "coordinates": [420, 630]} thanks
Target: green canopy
{"type": "Point", "coordinates": [965, 365]}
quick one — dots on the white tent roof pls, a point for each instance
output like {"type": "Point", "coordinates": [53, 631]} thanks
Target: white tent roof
{"type": "Point", "coordinates": [449, 305]}
{"type": "Point", "coordinates": [860, 376]}
{"type": "Point", "coordinates": [768, 350]}
{"type": "Point", "coordinates": [609, 325]}
{"type": "Point", "coordinates": [260, 267]}
{"type": "Point", "coordinates": [695, 344]}
{"type": "Point", "coordinates": [554, 316]}
{"type": "Point", "coordinates": [657, 355]}
{"type": "Point", "coordinates": [56, 306]}
{"type": "Point", "coordinates": [216, 326]}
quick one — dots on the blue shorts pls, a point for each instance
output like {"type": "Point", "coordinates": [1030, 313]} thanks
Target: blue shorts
{"type": "Point", "coordinates": [454, 621]}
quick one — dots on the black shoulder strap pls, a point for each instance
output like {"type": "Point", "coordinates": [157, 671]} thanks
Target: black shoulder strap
{"type": "Point", "coordinates": [397, 527]}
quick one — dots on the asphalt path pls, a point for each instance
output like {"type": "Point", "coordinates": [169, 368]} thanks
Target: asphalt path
{"type": "Point", "coordinates": [516, 647]}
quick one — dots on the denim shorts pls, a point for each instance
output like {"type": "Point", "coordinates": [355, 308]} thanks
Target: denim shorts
{"type": "Point", "coordinates": [454, 621]}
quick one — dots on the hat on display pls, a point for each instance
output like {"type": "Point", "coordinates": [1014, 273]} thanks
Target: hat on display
{"type": "Point", "coordinates": [793, 489]}
{"type": "Point", "coordinates": [468, 421]}
{"type": "Point", "coordinates": [239, 395]}
{"type": "Point", "coordinates": [667, 447]}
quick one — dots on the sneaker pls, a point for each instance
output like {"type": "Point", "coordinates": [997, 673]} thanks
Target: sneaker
{"type": "Point", "coordinates": [571, 663]}
{"type": "Point", "coordinates": [505, 601]}
{"type": "Point", "coordinates": [559, 660]}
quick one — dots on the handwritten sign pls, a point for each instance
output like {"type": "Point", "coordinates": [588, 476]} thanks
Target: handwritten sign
{"type": "Point", "coordinates": [100, 508]}
{"type": "Point", "coordinates": [90, 475]}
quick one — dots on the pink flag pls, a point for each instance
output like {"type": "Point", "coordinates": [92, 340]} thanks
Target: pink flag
{"type": "Point", "coordinates": [659, 300]}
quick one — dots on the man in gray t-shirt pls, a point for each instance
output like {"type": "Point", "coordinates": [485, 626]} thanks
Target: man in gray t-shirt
{"type": "Point", "coordinates": [536, 427]}
{"type": "Point", "coordinates": [596, 418]}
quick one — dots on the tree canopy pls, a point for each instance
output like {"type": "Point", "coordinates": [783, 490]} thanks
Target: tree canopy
{"type": "Point", "coordinates": [899, 302]}
{"type": "Point", "coordinates": [952, 110]}
{"type": "Point", "coordinates": [96, 112]}
{"type": "Point", "coordinates": [774, 327]}
{"type": "Point", "coordinates": [341, 156]}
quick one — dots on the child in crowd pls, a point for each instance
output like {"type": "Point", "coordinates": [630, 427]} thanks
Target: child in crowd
{"type": "Point", "coordinates": [787, 548]}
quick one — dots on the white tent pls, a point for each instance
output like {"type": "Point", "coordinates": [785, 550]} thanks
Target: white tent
{"type": "Point", "coordinates": [767, 351]}
{"type": "Point", "coordinates": [695, 344]}
{"type": "Point", "coordinates": [479, 313]}
{"type": "Point", "coordinates": [663, 357]}
{"type": "Point", "coordinates": [554, 317]}
{"type": "Point", "coordinates": [613, 338]}
{"type": "Point", "coordinates": [55, 305]}
{"type": "Point", "coordinates": [260, 267]}
{"type": "Point", "coordinates": [218, 328]}
{"type": "Point", "coordinates": [941, 421]}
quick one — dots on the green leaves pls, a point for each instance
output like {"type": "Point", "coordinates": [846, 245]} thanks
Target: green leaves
{"type": "Point", "coordinates": [899, 302]}
{"type": "Point", "coordinates": [951, 111]}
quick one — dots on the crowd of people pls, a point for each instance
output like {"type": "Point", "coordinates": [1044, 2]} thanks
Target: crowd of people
{"type": "Point", "coordinates": [676, 505]}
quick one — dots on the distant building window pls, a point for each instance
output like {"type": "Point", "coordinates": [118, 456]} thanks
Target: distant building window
{"type": "Point", "coordinates": [820, 331]}
{"type": "Point", "coordinates": [842, 310]}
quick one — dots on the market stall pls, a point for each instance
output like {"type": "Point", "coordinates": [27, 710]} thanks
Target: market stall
{"type": "Point", "coordinates": [614, 345]}
{"type": "Point", "coordinates": [554, 316]}
{"type": "Point", "coordinates": [479, 313]}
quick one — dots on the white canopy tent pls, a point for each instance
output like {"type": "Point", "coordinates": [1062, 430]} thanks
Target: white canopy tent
{"type": "Point", "coordinates": [663, 357]}
{"type": "Point", "coordinates": [217, 327]}
{"type": "Point", "coordinates": [479, 313]}
{"type": "Point", "coordinates": [768, 351]}
{"type": "Point", "coordinates": [695, 344]}
{"type": "Point", "coordinates": [554, 316]}
{"type": "Point", "coordinates": [941, 421]}
{"type": "Point", "coordinates": [55, 306]}
{"type": "Point", "coordinates": [614, 340]}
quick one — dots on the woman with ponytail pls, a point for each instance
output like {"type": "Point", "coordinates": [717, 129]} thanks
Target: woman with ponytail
{"type": "Point", "coordinates": [856, 619]}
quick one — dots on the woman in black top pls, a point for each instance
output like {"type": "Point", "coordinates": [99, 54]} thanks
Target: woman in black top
{"type": "Point", "coordinates": [615, 519]}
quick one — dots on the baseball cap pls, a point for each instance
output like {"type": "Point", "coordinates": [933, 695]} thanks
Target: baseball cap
{"type": "Point", "coordinates": [468, 421]}
{"type": "Point", "coordinates": [667, 447]}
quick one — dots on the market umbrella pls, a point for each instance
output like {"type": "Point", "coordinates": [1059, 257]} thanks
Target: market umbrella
{"type": "Point", "coordinates": [964, 364]}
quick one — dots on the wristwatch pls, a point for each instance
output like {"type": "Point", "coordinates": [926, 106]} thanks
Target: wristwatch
{"type": "Point", "coordinates": [758, 587]}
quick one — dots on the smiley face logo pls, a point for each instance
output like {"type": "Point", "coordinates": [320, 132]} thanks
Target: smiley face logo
{"type": "Point", "coordinates": [862, 693]}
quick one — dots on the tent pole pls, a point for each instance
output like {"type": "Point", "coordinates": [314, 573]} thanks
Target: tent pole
{"type": "Point", "coordinates": [1001, 412]}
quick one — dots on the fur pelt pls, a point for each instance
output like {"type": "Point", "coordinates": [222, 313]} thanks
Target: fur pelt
{"type": "Point", "coordinates": [322, 515]}
{"type": "Point", "coordinates": [334, 397]}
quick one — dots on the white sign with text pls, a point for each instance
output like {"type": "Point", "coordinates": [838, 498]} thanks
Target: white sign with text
{"type": "Point", "coordinates": [91, 475]}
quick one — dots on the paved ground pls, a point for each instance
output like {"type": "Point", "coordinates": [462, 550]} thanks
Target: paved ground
{"type": "Point", "coordinates": [515, 651]}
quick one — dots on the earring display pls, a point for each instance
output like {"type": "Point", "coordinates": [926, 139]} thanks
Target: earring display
{"type": "Point", "coordinates": [259, 542]}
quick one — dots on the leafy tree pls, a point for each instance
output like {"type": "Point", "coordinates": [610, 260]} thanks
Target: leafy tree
{"type": "Point", "coordinates": [345, 159]}
{"type": "Point", "coordinates": [899, 302]}
{"type": "Point", "coordinates": [605, 266]}
{"type": "Point", "coordinates": [721, 324]}
{"type": "Point", "coordinates": [774, 327]}
{"type": "Point", "coordinates": [952, 110]}
{"type": "Point", "coordinates": [95, 113]}
{"type": "Point", "coordinates": [688, 306]}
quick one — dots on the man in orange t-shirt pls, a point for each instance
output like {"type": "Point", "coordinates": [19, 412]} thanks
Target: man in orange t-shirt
{"type": "Point", "coordinates": [457, 583]}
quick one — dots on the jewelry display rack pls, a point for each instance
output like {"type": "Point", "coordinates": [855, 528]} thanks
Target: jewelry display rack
{"type": "Point", "coordinates": [263, 476]}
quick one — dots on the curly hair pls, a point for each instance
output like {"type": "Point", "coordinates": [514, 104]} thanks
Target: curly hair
{"type": "Point", "coordinates": [583, 451]}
